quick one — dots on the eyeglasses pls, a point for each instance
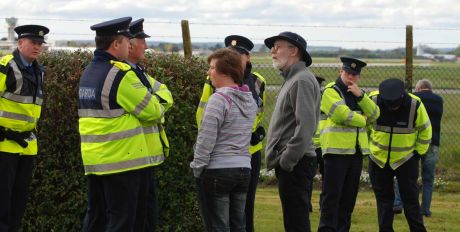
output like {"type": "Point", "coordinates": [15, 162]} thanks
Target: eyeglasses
{"type": "Point", "coordinates": [278, 46]}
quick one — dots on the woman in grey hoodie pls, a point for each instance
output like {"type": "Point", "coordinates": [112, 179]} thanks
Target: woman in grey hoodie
{"type": "Point", "coordinates": [221, 161]}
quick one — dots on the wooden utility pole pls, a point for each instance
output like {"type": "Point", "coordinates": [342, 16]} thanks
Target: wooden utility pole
{"type": "Point", "coordinates": [409, 57]}
{"type": "Point", "coordinates": [186, 40]}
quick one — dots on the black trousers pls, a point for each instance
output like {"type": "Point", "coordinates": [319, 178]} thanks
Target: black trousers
{"type": "Point", "coordinates": [251, 196]}
{"type": "Point", "coordinates": [340, 188]}
{"type": "Point", "coordinates": [382, 183]}
{"type": "Point", "coordinates": [113, 201]}
{"type": "Point", "coordinates": [15, 176]}
{"type": "Point", "coordinates": [294, 193]}
{"type": "Point", "coordinates": [153, 207]}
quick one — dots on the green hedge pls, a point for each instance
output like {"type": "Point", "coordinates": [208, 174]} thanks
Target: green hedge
{"type": "Point", "coordinates": [57, 199]}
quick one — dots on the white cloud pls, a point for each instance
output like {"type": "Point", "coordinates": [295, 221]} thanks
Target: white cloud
{"type": "Point", "coordinates": [80, 14]}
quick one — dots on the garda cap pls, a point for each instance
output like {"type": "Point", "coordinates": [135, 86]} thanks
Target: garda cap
{"type": "Point", "coordinates": [391, 89]}
{"type": "Point", "coordinates": [240, 43]}
{"type": "Point", "coordinates": [392, 92]}
{"type": "Point", "coordinates": [136, 28]}
{"type": "Point", "coordinates": [34, 32]}
{"type": "Point", "coordinates": [352, 65]}
{"type": "Point", "coordinates": [113, 27]}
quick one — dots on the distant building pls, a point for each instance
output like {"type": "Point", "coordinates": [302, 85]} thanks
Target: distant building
{"type": "Point", "coordinates": [10, 42]}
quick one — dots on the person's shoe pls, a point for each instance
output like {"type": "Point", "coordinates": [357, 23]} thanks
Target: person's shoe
{"type": "Point", "coordinates": [397, 210]}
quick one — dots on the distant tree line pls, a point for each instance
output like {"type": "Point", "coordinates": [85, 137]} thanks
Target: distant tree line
{"type": "Point", "coordinates": [397, 53]}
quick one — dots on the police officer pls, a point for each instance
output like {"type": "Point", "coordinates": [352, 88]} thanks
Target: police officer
{"type": "Point", "coordinates": [21, 97]}
{"type": "Point", "coordinates": [147, 215]}
{"type": "Point", "coordinates": [256, 83]}
{"type": "Point", "coordinates": [398, 138]}
{"type": "Point", "coordinates": [112, 104]}
{"type": "Point", "coordinates": [344, 141]}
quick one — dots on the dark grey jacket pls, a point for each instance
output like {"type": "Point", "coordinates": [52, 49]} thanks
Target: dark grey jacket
{"type": "Point", "coordinates": [294, 119]}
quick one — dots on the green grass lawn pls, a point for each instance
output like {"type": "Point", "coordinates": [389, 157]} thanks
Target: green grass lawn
{"type": "Point", "coordinates": [445, 208]}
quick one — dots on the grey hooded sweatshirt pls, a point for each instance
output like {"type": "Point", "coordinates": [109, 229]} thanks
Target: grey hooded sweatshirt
{"type": "Point", "coordinates": [225, 132]}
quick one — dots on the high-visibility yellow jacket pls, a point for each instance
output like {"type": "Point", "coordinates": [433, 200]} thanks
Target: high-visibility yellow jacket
{"type": "Point", "coordinates": [112, 104]}
{"type": "Point", "coordinates": [345, 129]}
{"type": "Point", "coordinates": [321, 123]}
{"type": "Point", "coordinates": [397, 134]}
{"type": "Point", "coordinates": [21, 97]}
{"type": "Point", "coordinates": [259, 87]}
{"type": "Point", "coordinates": [155, 135]}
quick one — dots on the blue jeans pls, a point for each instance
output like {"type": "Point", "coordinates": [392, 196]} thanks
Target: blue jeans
{"type": "Point", "coordinates": [428, 170]}
{"type": "Point", "coordinates": [223, 198]}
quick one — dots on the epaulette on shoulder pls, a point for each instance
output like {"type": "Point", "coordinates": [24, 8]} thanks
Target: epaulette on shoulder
{"type": "Point", "coordinates": [5, 59]}
{"type": "Point", "coordinates": [415, 97]}
{"type": "Point", "coordinates": [373, 93]}
{"type": "Point", "coordinates": [330, 85]}
{"type": "Point", "coordinates": [258, 75]}
{"type": "Point", "coordinates": [122, 66]}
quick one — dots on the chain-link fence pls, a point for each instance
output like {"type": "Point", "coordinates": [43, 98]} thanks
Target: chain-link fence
{"type": "Point", "coordinates": [444, 76]}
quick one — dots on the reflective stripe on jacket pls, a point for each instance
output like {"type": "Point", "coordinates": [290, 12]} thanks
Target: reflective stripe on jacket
{"type": "Point", "coordinates": [155, 135]}
{"type": "Point", "coordinates": [397, 134]}
{"type": "Point", "coordinates": [112, 104]}
{"type": "Point", "coordinates": [344, 129]}
{"type": "Point", "coordinates": [20, 102]}
{"type": "Point", "coordinates": [321, 123]}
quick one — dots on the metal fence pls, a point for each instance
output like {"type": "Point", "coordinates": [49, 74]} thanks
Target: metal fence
{"type": "Point", "coordinates": [444, 76]}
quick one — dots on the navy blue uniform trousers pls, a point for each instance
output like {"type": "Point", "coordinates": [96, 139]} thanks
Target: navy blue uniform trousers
{"type": "Point", "coordinates": [113, 202]}
{"type": "Point", "coordinates": [340, 188]}
{"type": "Point", "coordinates": [15, 177]}
{"type": "Point", "coordinates": [382, 183]}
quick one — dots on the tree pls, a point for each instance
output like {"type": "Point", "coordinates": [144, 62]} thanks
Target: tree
{"type": "Point", "coordinates": [215, 47]}
{"type": "Point", "coordinates": [457, 51]}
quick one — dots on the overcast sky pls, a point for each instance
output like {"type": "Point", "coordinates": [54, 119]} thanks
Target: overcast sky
{"type": "Point", "coordinates": [377, 24]}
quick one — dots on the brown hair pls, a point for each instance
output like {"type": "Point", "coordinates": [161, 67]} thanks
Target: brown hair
{"type": "Point", "coordinates": [228, 62]}
{"type": "Point", "coordinates": [104, 42]}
